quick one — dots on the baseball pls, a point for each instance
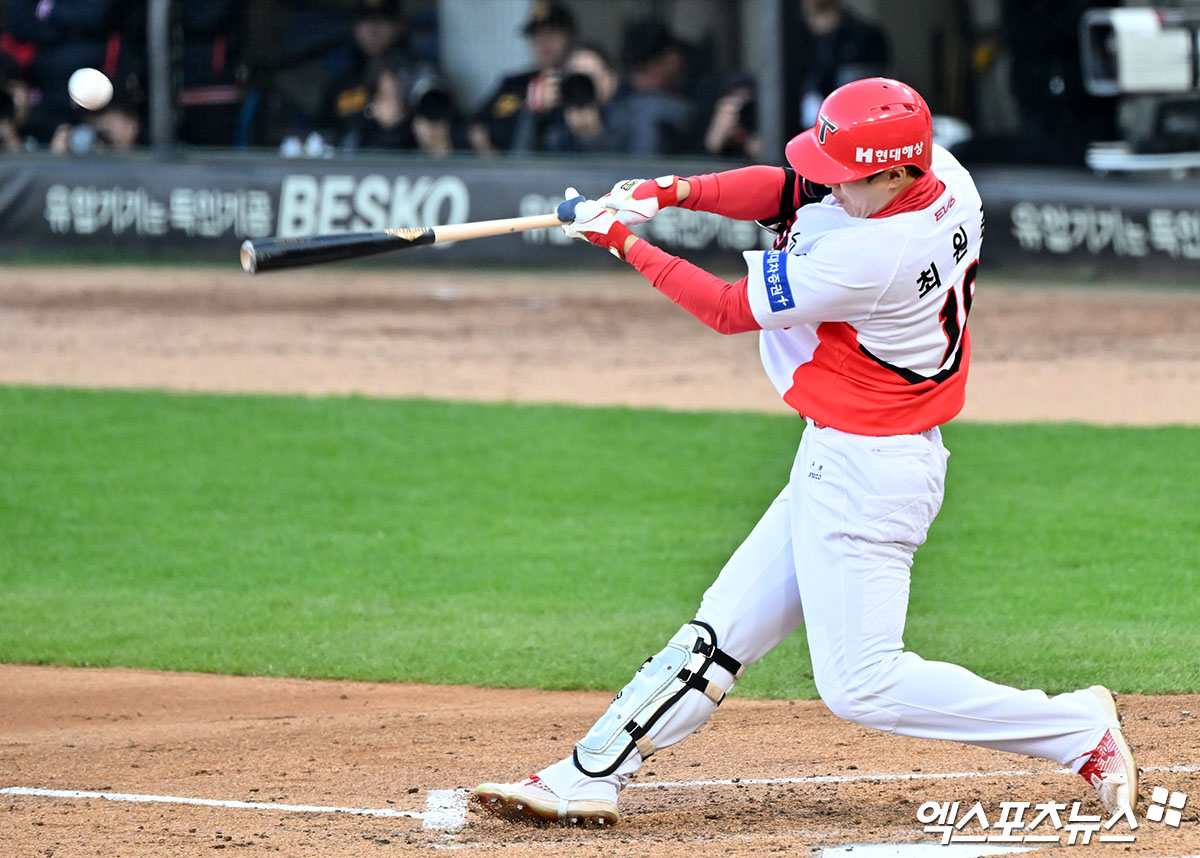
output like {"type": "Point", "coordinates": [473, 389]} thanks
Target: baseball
{"type": "Point", "coordinates": [90, 88]}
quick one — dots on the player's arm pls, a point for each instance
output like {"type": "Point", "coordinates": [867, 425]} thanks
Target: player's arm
{"type": "Point", "coordinates": [758, 193]}
{"type": "Point", "coordinates": [833, 283]}
{"type": "Point", "coordinates": [724, 307]}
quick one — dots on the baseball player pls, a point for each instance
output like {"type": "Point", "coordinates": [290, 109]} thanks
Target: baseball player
{"type": "Point", "coordinates": [862, 308]}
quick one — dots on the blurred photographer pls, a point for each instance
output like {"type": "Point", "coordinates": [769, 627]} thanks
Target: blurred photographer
{"type": "Point", "coordinates": [587, 88]}
{"type": "Point", "coordinates": [116, 128]}
{"type": "Point", "coordinates": [436, 125]}
{"type": "Point", "coordinates": [523, 107]}
{"type": "Point", "coordinates": [733, 127]}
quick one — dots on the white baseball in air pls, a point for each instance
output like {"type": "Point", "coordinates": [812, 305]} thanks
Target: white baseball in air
{"type": "Point", "coordinates": [90, 88]}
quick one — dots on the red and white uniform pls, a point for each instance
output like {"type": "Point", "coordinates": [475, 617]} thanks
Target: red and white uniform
{"type": "Point", "coordinates": [873, 343]}
{"type": "Point", "coordinates": [864, 332]}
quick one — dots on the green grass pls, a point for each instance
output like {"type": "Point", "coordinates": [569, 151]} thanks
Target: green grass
{"type": "Point", "coordinates": [542, 546]}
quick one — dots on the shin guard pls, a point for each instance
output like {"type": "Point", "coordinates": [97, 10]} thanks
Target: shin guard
{"type": "Point", "coordinates": [635, 716]}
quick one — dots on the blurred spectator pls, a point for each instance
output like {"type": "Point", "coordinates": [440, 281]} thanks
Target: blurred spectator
{"type": "Point", "coordinates": [66, 35]}
{"type": "Point", "coordinates": [834, 46]}
{"type": "Point", "coordinates": [524, 106]}
{"type": "Point", "coordinates": [404, 113]}
{"type": "Point", "coordinates": [380, 75]}
{"type": "Point", "coordinates": [14, 104]}
{"type": "Point", "coordinates": [733, 127]}
{"type": "Point", "coordinates": [210, 70]}
{"type": "Point", "coordinates": [292, 54]}
{"type": "Point", "coordinates": [436, 124]}
{"type": "Point", "coordinates": [116, 128]}
{"type": "Point", "coordinates": [652, 114]}
{"type": "Point", "coordinates": [10, 129]}
{"type": "Point", "coordinates": [588, 86]}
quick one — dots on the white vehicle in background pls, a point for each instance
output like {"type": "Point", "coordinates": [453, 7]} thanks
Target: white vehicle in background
{"type": "Point", "coordinates": [1149, 58]}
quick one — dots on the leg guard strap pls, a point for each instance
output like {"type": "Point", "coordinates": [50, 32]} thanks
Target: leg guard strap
{"type": "Point", "coordinates": [719, 657]}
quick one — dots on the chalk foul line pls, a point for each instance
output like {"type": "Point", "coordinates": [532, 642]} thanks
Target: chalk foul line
{"type": "Point", "coordinates": [446, 809]}
{"type": "Point", "coordinates": [212, 802]}
{"type": "Point", "coordinates": [902, 776]}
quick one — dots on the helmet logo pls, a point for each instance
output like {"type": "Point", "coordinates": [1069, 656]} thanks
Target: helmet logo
{"type": "Point", "coordinates": [824, 126]}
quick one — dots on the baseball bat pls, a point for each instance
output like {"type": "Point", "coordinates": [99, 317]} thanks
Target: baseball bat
{"type": "Point", "coordinates": [272, 254]}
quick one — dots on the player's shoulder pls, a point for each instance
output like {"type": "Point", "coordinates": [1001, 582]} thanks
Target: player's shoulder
{"type": "Point", "coordinates": [952, 173]}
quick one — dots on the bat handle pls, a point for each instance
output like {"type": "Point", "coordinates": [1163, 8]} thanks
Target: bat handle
{"type": "Point", "coordinates": [566, 209]}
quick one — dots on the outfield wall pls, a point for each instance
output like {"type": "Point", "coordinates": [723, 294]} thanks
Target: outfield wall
{"type": "Point", "coordinates": [1055, 222]}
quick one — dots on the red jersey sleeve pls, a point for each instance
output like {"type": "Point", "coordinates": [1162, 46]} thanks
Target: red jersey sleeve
{"type": "Point", "coordinates": [724, 307]}
{"type": "Point", "coordinates": [747, 193]}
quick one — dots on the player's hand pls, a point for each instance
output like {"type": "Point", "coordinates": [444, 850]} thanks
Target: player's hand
{"type": "Point", "coordinates": [637, 200]}
{"type": "Point", "coordinates": [593, 223]}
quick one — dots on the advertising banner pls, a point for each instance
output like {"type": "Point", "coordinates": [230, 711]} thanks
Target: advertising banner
{"type": "Point", "coordinates": [139, 208]}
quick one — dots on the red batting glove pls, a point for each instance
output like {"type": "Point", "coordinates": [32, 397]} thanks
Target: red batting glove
{"type": "Point", "coordinates": [595, 224]}
{"type": "Point", "coordinates": [637, 200]}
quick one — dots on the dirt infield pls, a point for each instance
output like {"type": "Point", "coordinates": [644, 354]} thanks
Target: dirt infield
{"type": "Point", "coordinates": [399, 747]}
{"type": "Point", "coordinates": [1097, 354]}
{"type": "Point", "coordinates": [764, 777]}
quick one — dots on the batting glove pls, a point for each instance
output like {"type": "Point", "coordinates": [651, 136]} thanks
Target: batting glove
{"type": "Point", "coordinates": [593, 223]}
{"type": "Point", "coordinates": [637, 200]}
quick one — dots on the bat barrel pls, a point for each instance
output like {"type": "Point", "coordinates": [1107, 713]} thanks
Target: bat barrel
{"type": "Point", "coordinates": [249, 257]}
{"type": "Point", "coordinates": [270, 254]}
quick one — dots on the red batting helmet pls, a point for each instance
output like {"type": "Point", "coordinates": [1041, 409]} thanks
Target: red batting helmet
{"type": "Point", "coordinates": [863, 128]}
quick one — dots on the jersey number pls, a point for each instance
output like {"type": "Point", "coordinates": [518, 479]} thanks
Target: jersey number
{"type": "Point", "coordinates": [951, 327]}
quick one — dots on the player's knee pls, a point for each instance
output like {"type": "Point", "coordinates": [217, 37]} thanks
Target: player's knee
{"type": "Point", "coordinates": [855, 697]}
{"type": "Point", "coordinates": [844, 703]}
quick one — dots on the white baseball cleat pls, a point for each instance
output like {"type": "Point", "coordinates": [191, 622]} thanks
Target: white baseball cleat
{"type": "Point", "coordinates": [533, 801]}
{"type": "Point", "coordinates": [1110, 767]}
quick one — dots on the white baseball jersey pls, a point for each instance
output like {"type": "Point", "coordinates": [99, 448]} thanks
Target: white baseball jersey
{"type": "Point", "coordinates": [865, 319]}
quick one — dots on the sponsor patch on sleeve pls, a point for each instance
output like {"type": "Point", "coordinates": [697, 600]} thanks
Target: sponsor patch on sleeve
{"type": "Point", "coordinates": [779, 291]}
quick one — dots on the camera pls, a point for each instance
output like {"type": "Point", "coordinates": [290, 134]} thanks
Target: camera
{"type": "Point", "coordinates": [434, 104]}
{"type": "Point", "coordinates": [578, 90]}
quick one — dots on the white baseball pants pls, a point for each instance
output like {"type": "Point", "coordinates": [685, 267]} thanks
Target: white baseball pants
{"type": "Point", "coordinates": [834, 552]}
